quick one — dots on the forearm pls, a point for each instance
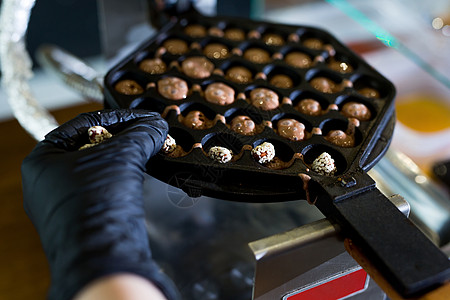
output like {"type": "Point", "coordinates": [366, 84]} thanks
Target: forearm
{"type": "Point", "coordinates": [120, 287]}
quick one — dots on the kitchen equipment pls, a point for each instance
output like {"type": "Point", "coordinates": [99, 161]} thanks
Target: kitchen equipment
{"type": "Point", "coordinates": [406, 258]}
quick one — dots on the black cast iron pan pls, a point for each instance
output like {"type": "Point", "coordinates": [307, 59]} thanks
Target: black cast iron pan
{"type": "Point", "coordinates": [405, 257]}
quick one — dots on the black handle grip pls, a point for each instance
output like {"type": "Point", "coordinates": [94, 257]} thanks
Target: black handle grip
{"type": "Point", "coordinates": [410, 262]}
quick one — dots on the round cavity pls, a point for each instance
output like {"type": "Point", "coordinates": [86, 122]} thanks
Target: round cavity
{"type": "Point", "coordinates": [244, 122]}
{"type": "Point", "coordinates": [313, 43]}
{"type": "Point", "coordinates": [341, 64]}
{"type": "Point", "coordinates": [197, 120]}
{"type": "Point", "coordinates": [208, 112]}
{"type": "Point", "coordinates": [197, 67]}
{"type": "Point", "coordinates": [182, 138]}
{"type": "Point", "coordinates": [195, 30]}
{"type": "Point", "coordinates": [149, 62]}
{"type": "Point", "coordinates": [343, 127]}
{"type": "Point", "coordinates": [356, 107]}
{"type": "Point", "coordinates": [313, 40]}
{"type": "Point", "coordinates": [173, 88]}
{"type": "Point", "coordinates": [249, 111]}
{"type": "Point", "coordinates": [273, 37]}
{"type": "Point", "coordinates": [281, 116]}
{"type": "Point", "coordinates": [309, 103]}
{"type": "Point", "coordinates": [234, 34]}
{"type": "Point", "coordinates": [215, 31]}
{"type": "Point", "coordinates": [369, 87]}
{"type": "Point", "coordinates": [281, 81]}
{"type": "Point", "coordinates": [128, 87]}
{"type": "Point", "coordinates": [153, 66]}
{"type": "Point", "coordinates": [298, 59]}
{"type": "Point", "coordinates": [326, 82]}
{"type": "Point", "coordinates": [292, 129]}
{"type": "Point", "coordinates": [148, 103]}
{"type": "Point", "coordinates": [263, 98]}
{"type": "Point", "coordinates": [216, 50]}
{"type": "Point", "coordinates": [222, 139]}
{"type": "Point", "coordinates": [175, 45]}
{"type": "Point", "coordinates": [281, 77]}
{"type": "Point", "coordinates": [314, 151]}
{"type": "Point", "coordinates": [282, 150]}
{"type": "Point", "coordinates": [257, 53]}
{"type": "Point", "coordinates": [238, 73]}
{"type": "Point", "coordinates": [219, 93]}
{"type": "Point", "coordinates": [243, 125]}
{"type": "Point", "coordinates": [130, 84]}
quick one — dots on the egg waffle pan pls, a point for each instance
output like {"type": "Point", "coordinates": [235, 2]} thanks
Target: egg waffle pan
{"type": "Point", "coordinates": [200, 51]}
{"type": "Point", "coordinates": [322, 57]}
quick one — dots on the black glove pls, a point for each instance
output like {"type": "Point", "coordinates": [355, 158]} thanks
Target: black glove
{"type": "Point", "coordinates": [87, 205]}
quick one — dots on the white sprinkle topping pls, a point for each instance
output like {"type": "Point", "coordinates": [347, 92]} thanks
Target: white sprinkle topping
{"type": "Point", "coordinates": [220, 154]}
{"type": "Point", "coordinates": [324, 165]}
{"type": "Point", "coordinates": [264, 153]}
{"type": "Point", "coordinates": [169, 144]}
{"type": "Point", "coordinates": [98, 134]}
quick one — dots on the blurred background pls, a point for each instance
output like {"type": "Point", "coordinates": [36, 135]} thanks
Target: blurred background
{"type": "Point", "coordinates": [408, 41]}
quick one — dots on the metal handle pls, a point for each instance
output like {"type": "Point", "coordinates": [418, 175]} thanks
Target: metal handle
{"type": "Point", "coordinates": [16, 69]}
{"type": "Point", "coordinates": [403, 254]}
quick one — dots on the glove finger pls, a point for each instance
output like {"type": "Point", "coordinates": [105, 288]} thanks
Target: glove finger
{"type": "Point", "coordinates": [135, 144]}
{"type": "Point", "coordinates": [72, 134]}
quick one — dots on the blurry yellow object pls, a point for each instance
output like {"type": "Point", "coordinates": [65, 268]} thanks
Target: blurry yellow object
{"type": "Point", "coordinates": [425, 113]}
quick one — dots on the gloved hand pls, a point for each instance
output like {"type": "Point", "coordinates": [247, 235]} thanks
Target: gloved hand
{"type": "Point", "coordinates": [87, 205]}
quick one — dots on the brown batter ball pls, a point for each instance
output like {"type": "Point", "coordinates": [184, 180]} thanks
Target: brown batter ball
{"type": "Point", "coordinates": [195, 30]}
{"type": "Point", "coordinates": [281, 81]}
{"type": "Point", "coordinates": [216, 51]}
{"type": "Point", "coordinates": [196, 120]}
{"type": "Point", "coordinates": [298, 60]}
{"type": "Point", "coordinates": [215, 31]}
{"type": "Point", "coordinates": [153, 66]}
{"type": "Point", "coordinates": [257, 55]}
{"type": "Point", "coordinates": [309, 107]}
{"type": "Point", "coordinates": [234, 34]}
{"type": "Point", "coordinates": [369, 92]}
{"type": "Point", "coordinates": [340, 138]}
{"type": "Point", "coordinates": [128, 87]}
{"type": "Point", "coordinates": [344, 139]}
{"type": "Point", "coordinates": [340, 66]}
{"type": "Point", "coordinates": [313, 43]}
{"type": "Point", "coordinates": [264, 99]}
{"type": "Point", "coordinates": [243, 125]}
{"type": "Point", "coordinates": [173, 88]}
{"type": "Point", "coordinates": [176, 46]}
{"type": "Point", "coordinates": [273, 39]}
{"type": "Point", "coordinates": [219, 93]}
{"type": "Point", "coordinates": [239, 74]}
{"type": "Point", "coordinates": [291, 129]}
{"type": "Point", "coordinates": [197, 67]}
{"type": "Point", "coordinates": [356, 110]}
{"type": "Point", "coordinates": [325, 85]}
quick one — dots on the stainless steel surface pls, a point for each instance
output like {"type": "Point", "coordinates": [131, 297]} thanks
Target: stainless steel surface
{"type": "Point", "coordinates": [283, 258]}
{"type": "Point", "coordinates": [401, 204]}
{"type": "Point", "coordinates": [202, 243]}
{"type": "Point", "coordinates": [123, 25]}
{"type": "Point", "coordinates": [305, 255]}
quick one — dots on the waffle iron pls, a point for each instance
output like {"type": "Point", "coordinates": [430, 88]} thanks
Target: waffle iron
{"type": "Point", "coordinates": [349, 197]}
